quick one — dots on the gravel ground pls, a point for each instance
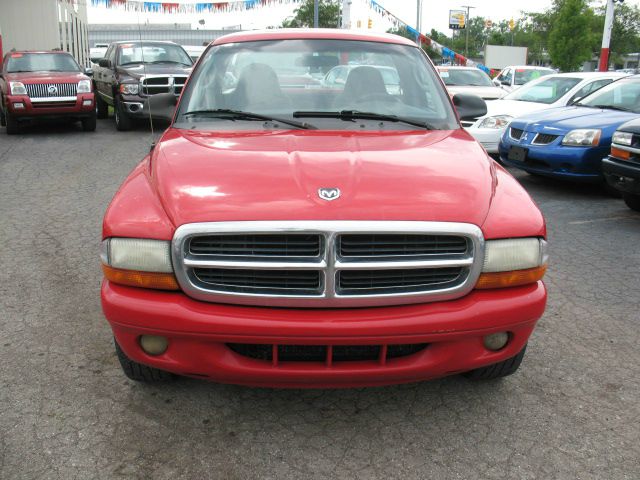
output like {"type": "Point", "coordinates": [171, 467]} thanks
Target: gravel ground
{"type": "Point", "coordinates": [67, 411]}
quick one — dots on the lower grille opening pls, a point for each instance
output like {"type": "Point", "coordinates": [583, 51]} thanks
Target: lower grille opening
{"type": "Point", "coordinates": [274, 282]}
{"type": "Point", "coordinates": [406, 280]}
{"type": "Point", "coordinates": [322, 353]}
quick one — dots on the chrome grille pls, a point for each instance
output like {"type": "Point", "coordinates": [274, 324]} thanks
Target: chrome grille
{"type": "Point", "coordinates": [321, 264]}
{"type": "Point", "coordinates": [50, 90]}
{"type": "Point", "coordinates": [152, 85]}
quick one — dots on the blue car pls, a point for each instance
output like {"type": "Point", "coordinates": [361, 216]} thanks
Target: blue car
{"type": "Point", "coordinates": [570, 142]}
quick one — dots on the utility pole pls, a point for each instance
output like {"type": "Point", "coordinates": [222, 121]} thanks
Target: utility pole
{"type": "Point", "coordinates": [466, 27]}
{"type": "Point", "coordinates": [603, 66]}
{"type": "Point", "coordinates": [418, 20]}
{"type": "Point", "coordinates": [316, 14]}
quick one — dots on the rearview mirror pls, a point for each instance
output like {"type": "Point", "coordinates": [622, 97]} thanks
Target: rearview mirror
{"type": "Point", "coordinates": [469, 107]}
{"type": "Point", "coordinates": [104, 63]}
{"type": "Point", "coordinates": [161, 106]}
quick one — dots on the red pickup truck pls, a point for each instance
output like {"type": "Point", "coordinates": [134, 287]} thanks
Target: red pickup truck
{"type": "Point", "coordinates": [39, 85]}
{"type": "Point", "coordinates": [292, 235]}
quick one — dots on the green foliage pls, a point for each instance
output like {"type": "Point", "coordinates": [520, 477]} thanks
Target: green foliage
{"type": "Point", "coordinates": [328, 15]}
{"type": "Point", "coordinates": [571, 38]}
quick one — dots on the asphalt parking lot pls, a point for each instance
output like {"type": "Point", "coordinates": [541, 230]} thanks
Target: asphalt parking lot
{"type": "Point", "coordinates": [67, 411]}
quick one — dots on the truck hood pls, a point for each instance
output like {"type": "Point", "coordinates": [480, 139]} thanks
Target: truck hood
{"type": "Point", "coordinates": [137, 71]}
{"type": "Point", "coordinates": [275, 175]}
{"type": "Point", "coordinates": [46, 77]}
{"type": "Point", "coordinates": [563, 119]}
{"type": "Point", "coordinates": [488, 93]}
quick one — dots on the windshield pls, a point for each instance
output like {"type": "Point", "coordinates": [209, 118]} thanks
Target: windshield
{"type": "Point", "coordinates": [41, 62]}
{"type": "Point", "coordinates": [525, 75]}
{"type": "Point", "coordinates": [620, 95]}
{"type": "Point", "coordinates": [293, 78]}
{"type": "Point", "coordinates": [467, 77]}
{"type": "Point", "coordinates": [546, 90]}
{"type": "Point", "coordinates": [152, 53]}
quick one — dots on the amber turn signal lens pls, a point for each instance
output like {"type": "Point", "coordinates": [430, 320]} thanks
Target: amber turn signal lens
{"type": "Point", "coordinates": [511, 279]}
{"type": "Point", "coordinates": [619, 153]}
{"type": "Point", "coordinates": [134, 278]}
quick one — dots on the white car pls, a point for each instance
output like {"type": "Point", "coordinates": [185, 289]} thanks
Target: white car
{"type": "Point", "coordinates": [469, 80]}
{"type": "Point", "coordinates": [512, 78]}
{"type": "Point", "coordinates": [557, 90]}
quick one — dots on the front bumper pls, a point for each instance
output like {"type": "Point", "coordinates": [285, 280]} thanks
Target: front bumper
{"type": "Point", "coordinates": [489, 138]}
{"type": "Point", "coordinates": [82, 107]}
{"type": "Point", "coordinates": [622, 175]}
{"type": "Point", "coordinates": [199, 332]}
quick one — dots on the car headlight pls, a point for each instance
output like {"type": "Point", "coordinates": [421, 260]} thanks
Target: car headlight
{"type": "Point", "coordinates": [582, 137]}
{"type": "Point", "coordinates": [138, 262]}
{"type": "Point", "coordinates": [129, 88]}
{"type": "Point", "coordinates": [17, 88]}
{"type": "Point", "coordinates": [513, 262]}
{"type": "Point", "coordinates": [499, 121]}
{"type": "Point", "coordinates": [623, 138]}
{"type": "Point", "coordinates": [84, 86]}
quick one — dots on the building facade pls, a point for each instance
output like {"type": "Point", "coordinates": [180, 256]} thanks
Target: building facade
{"type": "Point", "coordinates": [180, 33]}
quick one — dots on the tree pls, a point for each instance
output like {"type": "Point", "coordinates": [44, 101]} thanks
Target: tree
{"type": "Point", "coordinates": [328, 15]}
{"type": "Point", "coordinates": [571, 38]}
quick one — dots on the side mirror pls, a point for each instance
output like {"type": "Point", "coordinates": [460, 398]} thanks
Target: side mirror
{"type": "Point", "coordinates": [88, 72]}
{"type": "Point", "coordinates": [506, 82]}
{"type": "Point", "coordinates": [161, 106]}
{"type": "Point", "coordinates": [104, 63]}
{"type": "Point", "coordinates": [469, 107]}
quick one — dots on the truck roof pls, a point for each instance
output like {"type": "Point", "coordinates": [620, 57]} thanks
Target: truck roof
{"type": "Point", "coordinates": [311, 33]}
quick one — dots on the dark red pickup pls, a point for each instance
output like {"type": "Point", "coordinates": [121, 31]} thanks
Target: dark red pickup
{"type": "Point", "coordinates": [39, 85]}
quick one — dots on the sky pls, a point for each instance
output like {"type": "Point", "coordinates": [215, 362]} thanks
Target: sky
{"type": "Point", "coordinates": [435, 13]}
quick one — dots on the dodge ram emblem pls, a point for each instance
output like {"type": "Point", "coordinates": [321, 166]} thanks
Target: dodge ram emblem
{"type": "Point", "coordinates": [329, 194]}
{"type": "Point", "coordinates": [52, 89]}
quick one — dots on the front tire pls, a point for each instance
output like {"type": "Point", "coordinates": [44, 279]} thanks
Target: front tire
{"type": "Point", "coordinates": [102, 108]}
{"type": "Point", "coordinates": [497, 370]}
{"type": "Point", "coordinates": [89, 124]}
{"type": "Point", "coordinates": [138, 372]}
{"type": "Point", "coordinates": [12, 124]}
{"type": "Point", "coordinates": [632, 201]}
{"type": "Point", "coordinates": [123, 120]}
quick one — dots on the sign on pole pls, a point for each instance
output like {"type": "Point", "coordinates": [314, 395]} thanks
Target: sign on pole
{"type": "Point", "coordinates": [457, 19]}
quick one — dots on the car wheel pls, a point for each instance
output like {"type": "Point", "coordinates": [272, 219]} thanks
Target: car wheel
{"type": "Point", "coordinates": [89, 123]}
{"type": "Point", "coordinates": [12, 124]}
{"type": "Point", "coordinates": [632, 201]}
{"type": "Point", "coordinates": [497, 370]}
{"type": "Point", "coordinates": [138, 372]}
{"type": "Point", "coordinates": [102, 108]}
{"type": "Point", "coordinates": [3, 120]}
{"type": "Point", "coordinates": [123, 121]}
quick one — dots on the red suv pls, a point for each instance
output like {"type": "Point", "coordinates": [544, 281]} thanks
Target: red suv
{"type": "Point", "coordinates": [293, 235]}
{"type": "Point", "coordinates": [38, 85]}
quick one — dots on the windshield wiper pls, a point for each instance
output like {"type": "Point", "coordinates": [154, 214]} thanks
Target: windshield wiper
{"type": "Point", "coordinates": [357, 114]}
{"type": "Point", "coordinates": [130, 63]}
{"type": "Point", "coordinates": [610, 107]}
{"type": "Point", "coordinates": [240, 115]}
{"type": "Point", "coordinates": [171, 61]}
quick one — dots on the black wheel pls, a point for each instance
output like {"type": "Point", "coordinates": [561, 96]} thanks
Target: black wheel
{"type": "Point", "coordinates": [89, 123]}
{"type": "Point", "coordinates": [123, 120]}
{"type": "Point", "coordinates": [102, 108]}
{"type": "Point", "coordinates": [632, 201]}
{"type": "Point", "coordinates": [12, 124]}
{"type": "Point", "coordinates": [3, 120]}
{"type": "Point", "coordinates": [497, 370]}
{"type": "Point", "coordinates": [141, 373]}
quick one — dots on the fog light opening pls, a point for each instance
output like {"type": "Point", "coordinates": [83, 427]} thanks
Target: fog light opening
{"type": "Point", "coordinates": [496, 341]}
{"type": "Point", "coordinates": [153, 344]}
{"type": "Point", "coordinates": [18, 105]}
{"type": "Point", "coordinates": [87, 103]}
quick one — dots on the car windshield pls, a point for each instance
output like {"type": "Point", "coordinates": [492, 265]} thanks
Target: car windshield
{"type": "Point", "coordinates": [41, 62]}
{"type": "Point", "coordinates": [525, 75]}
{"type": "Point", "coordinates": [152, 53]}
{"type": "Point", "coordinates": [621, 95]}
{"type": "Point", "coordinates": [546, 90]}
{"type": "Point", "coordinates": [465, 77]}
{"type": "Point", "coordinates": [288, 79]}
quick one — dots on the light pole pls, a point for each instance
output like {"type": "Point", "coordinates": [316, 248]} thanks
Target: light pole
{"type": "Point", "coordinates": [603, 66]}
{"type": "Point", "coordinates": [418, 20]}
{"type": "Point", "coordinates": [466, 27]}
{"type": "Point", "coordinates": [316, 14]}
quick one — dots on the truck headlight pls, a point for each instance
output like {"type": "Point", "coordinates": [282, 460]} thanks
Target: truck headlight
{"type": "Point", "coordinates": [497, 122]}
{"type": "Point", "coordinates": [513, 262]}
{"type": "Point", "coordinates": [17, 88]}
{"type": "Point", "coordinates": [582, 137]}
{"type": "Point", "coordinates": [138, 262]}
{"type": "Point", "coordinates": [129, 88]}
{"type": "Point", "coordinates": [84, 86]}
{"type": "Point", "coordinates": [623, 138]}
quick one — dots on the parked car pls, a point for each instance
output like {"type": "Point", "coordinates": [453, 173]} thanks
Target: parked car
{"type": "Point", "coordinates": [44, 85]}
{"type": "Point", "coordinates": [337, 77]}
{"type": "Point", "coordinates": [513, 77]}
{"type": "Point", "coordinates": [570, 142]}
{"type": "Point", "coordinates": [324, 237]}
{"type": "Point", "coordinates": [622, 167]}
{"type": "Point", "coordinates": [557, 90]}
{"type": "Point", "coordinates": [470, 80]}
{"type": "Point", "coordinates": [131, 72]}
